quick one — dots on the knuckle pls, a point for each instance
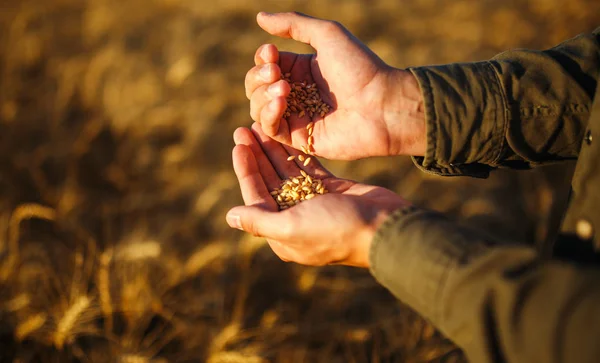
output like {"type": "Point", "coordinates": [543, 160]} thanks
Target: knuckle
{"type": "Point", "coordinates": [257, 55]}
{"type": "Point", "coordinates": [247, 87]}
{"type": "Point", "coordinates": [266, 116]}
{"type": "Point", "coordinates": [252, 229]}
{"type": "Point", "coordinates": [333, 27]}
{"type": "Point", "coordinates": [252, 77]}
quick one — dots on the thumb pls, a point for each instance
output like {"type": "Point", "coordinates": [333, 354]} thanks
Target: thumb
{"type": "Point", "coordinates": [298, 26]}
{"type": "Point", "coordinates": [257, 221]}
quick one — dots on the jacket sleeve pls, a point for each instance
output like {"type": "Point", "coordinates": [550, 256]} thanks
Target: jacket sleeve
{"type": "Point", "coordinates": [521, 109]}
{"type": "Point", "coordinates": [499, 302]}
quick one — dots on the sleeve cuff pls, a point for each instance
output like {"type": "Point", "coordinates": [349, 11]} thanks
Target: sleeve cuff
{"type": "Point", "coordinates": [473, 170]}
{"type": "Point", "coordinates": [414, 251]}
{"type": "Point", "coordinates": [465, 111]}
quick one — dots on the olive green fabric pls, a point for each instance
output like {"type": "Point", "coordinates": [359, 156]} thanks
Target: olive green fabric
{"type": "Point", "coordinates": [502, 301]}
{"type": "Point", "coordinates": [522, 108]}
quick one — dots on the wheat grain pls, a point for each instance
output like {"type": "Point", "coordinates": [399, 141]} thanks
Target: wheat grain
{"type": "Point", "coordinates": [291, 157]}
{"type": "Point", "coordinates": [297, 189]}
{"type": "Point", "coordinates": [307, 161]}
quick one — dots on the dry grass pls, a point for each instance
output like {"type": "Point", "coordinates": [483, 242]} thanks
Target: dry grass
{"type": "Point", "coordinates": [115, 175]}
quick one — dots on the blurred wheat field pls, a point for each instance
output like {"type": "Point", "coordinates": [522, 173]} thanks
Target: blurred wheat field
{"type": "Point", "coordinates": [116, 119]}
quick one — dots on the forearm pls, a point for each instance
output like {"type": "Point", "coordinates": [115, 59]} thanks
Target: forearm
{"type": "Point", "coordinates": [520, 109]}
{"type": "Point", "coordinates": [498, 302]}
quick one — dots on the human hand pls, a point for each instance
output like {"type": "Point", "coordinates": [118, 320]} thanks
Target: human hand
{"type": "Point", "coordinates": [335, 228]}
{"type": "Point", "coordinates": [376, 110]}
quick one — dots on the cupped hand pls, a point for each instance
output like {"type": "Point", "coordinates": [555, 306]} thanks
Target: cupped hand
{"type": "Point", "coordinates": [376, 109]}
{"type": "Point", "coordinates": [335, 228]}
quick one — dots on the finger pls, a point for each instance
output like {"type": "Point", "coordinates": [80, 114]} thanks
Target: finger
{"type": "Point", "coordinates": [271, 120]}
{"type": "Point", "coordinates": [276, 154]}
{"type": "Point", "coordinates": [258, 76]}
{"type": "Point", "coordinates": [265, 94]}
{"type": "Point", "coordinates": [297, 26]}
{"type": "Point", "coordinates": [313, 168]}
{"type": "Point", "coordinates": [261, 222]}
{"type": "Point", "coordinates": [266, 53]}
{"type": "Point", "coordinates": [252, 185]}
{"type": "Point", "coordinates": [243, 136]}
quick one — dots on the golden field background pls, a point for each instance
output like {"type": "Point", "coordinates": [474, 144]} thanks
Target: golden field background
{"type": "Point", "coordinates": [116, 119]}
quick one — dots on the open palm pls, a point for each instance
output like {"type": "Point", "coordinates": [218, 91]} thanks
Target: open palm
{"type": "Point", "coordinates": [334, 228]}
{"type": "Point", "coordinates": [350, 78]}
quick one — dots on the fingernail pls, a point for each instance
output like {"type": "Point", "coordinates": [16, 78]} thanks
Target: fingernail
{"type": "Point", "coordinates": [265, 72]}
{"type": "Point", "coordinates": [234, 221]}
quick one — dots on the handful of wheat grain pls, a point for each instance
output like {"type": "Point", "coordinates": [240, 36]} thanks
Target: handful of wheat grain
{"type": "Point", "coordinates": [304, 99]}
{"type": "Point", "coordinates": [297, 189]}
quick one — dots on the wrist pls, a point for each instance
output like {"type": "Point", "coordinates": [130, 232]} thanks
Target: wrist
{"type": "Point", "coordinates": [404, 114]}
{"type": "Point", "coordinates": [361, 251]}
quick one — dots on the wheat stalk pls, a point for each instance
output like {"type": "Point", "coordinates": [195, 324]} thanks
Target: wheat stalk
{"type": "Point", "coordinates": [30, 325]}
{"type": "Point", "coordinates": [21, 213]}
{"type": "Point", "coordinates": [103, 278]}
{"type": "Point", "coordinates": [234, 357]}
{"type": "Point", "coordinates": [18, 302]}
{"type": "Point", "coordinates": [204, 256]}
{"type": "Point", "coordinates": [69, 319]}
{"type": "Point", "coordinates": [226, 335]}
{"type": "Point", "coordinates": [139, 251]}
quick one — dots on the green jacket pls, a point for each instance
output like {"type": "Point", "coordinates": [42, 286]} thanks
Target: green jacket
{"type": "Point", "coordinates": [506, 302]}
